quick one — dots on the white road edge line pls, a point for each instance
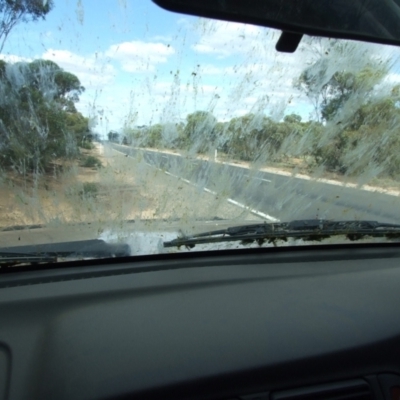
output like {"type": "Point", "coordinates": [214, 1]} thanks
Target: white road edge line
{"type": "Point", "coordinates": [260, 179]}
{"type": "Point", "coordinates": [210, 191]}
{"type": "Point", "coordinates": [234, 202]}
{"type": "Point", "coordinates": [255, 212]}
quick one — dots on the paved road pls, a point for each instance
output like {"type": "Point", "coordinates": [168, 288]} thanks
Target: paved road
{"type": "Point", "coordinates": [279, 196]}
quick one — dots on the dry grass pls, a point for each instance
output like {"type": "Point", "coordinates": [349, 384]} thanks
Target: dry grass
{"type": "Point", "coordinates": [123, 189]}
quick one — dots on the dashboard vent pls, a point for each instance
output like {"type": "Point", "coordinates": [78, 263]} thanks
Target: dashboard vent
{"type": "Point", "coordinates": [349, 390]}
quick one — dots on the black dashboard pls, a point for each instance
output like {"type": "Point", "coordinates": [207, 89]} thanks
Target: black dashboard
{"type": "Point", "coordinates": [317, 323]}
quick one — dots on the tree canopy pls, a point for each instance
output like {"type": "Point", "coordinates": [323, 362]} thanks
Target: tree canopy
{"type": "Point", "coordinates": [359, 110]}
{"type": "Point", "coordinates": [38, 118]}
{"type": "Point", "coordinates": [14, 11]}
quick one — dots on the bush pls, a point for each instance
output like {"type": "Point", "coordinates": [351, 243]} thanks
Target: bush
{"type": "Point", "coordinates": [85, 144]}
{"type": "Point", "coordinates": [89, 189]}
{"type": "Point", "coordinates": [91, 162]}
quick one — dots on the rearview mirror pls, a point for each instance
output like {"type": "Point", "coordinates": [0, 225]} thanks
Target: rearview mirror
{"type": "Point", "coordinates": [368, 20]}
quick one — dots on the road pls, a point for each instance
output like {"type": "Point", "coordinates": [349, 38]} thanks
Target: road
{"type": "Point", "coordinates": [276, 196]}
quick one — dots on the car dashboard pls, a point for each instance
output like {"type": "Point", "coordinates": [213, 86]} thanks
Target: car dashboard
{"type": "Point", "coordinates": [299, 323]}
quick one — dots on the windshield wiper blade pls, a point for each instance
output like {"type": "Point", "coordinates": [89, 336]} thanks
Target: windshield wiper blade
{"type": "Point", "coordinates": [52, 252]}
{"type": "Point", "coordinates": [311, 229]}
{"type": "Point", "coordinates": [9, 261]}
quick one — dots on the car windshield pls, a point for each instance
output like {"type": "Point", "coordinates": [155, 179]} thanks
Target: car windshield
{"type": "Point", "coordinates": [124, 124]}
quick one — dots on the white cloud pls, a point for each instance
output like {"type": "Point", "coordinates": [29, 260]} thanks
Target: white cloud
{"type": "Point", "coordinates": [225, 39]}
{"type": "Point", "coordinates": [139, 56]}
{"type": "Point", "coordinates": [392, 78]}
{"type": "Point", "coordinates": [11, 58]}
{"type": "Point", "coordinates": [167, 87]}
{"type": "Point", "coordinates": [161, 38]}
{"type": "Point", "coordinates": [235, 70]}
{"type": "Point", "coordinates": [91, 70]}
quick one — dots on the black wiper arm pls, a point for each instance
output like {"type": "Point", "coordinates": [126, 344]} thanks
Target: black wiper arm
{"type": "Point", "coordinates": [51, 252]}
{"type": "Point", "coordinates": [314, 229]}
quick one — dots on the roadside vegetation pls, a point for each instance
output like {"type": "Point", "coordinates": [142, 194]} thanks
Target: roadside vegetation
{"type": "Point", "coordinates": [353, 129]}
{"type": "Point", "coordinates": [89, 190]}
{"type": "Point", "coordinates": [38, 119]}
{"type": "Point", "coordinates": [91, 162]}
{"type": "Point", "coordinates": [39, 123]}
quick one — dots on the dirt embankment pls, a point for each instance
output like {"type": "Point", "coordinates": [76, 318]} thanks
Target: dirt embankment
{"type": "Point", "coordinates": [121, 189]}
{"type": "Point", "coordinates": [72, 192]}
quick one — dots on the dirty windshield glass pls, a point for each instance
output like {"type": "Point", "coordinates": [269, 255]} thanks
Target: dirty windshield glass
{"type": "Point", "coordinates": [124, 126]}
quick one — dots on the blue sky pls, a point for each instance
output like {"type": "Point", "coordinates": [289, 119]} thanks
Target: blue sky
{"type": "Point", "coordinates": [141, 64]}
